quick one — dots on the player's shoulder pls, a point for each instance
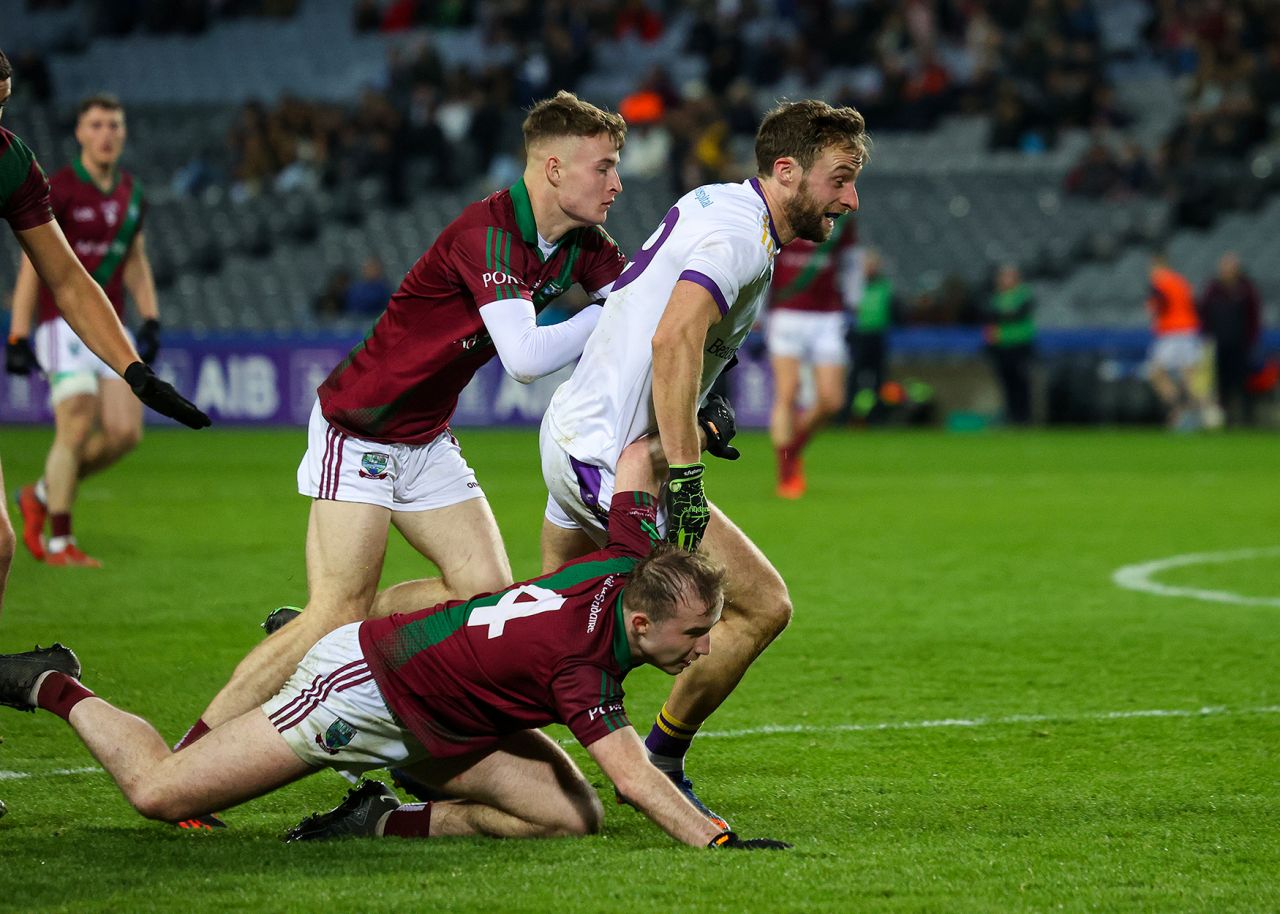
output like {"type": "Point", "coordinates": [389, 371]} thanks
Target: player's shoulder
{"type": "Point", "coordinates": [725, 206]}
{"type": "Point", "coordinates": [11, 145]}
{"type": "Point", "coordinates": [493, 211]}
{"type": "Point", "coordinates": [596, 238]}
{"type": "Point", "coordinates": [64, 177]}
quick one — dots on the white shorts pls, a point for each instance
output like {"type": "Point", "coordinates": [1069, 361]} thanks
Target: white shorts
{"type": "Point", "coordinates": [814, 337]}
{"type": "Point", "coordinates": [579, 494]}
{"type": "Point", "coordinates": [332, 714]}
{"type": "Point", "coordinates": [71, 367]}
{"type": "Point", "coordinates": [1177, 352]}
{"type": "Point", "coordinates": [400, 477]}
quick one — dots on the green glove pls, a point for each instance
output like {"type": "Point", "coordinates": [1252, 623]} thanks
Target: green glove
{"type": "Point", "coordinates": [687, 509]}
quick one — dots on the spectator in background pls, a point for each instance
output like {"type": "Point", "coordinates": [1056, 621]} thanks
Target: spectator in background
{"type": "Point", "coordinates": [332, 300]}
{"type": "Point", "coordinates": [1010, 333]}
{"type": "Point", "coordinates": [876, 312]}
{"type": "Point", "coordinates": [1176, 353]}
{"type": "Point", "coordinates": [370, 294]}
{"type": "Point", "coordinates": [1230, 312]}
{"type": "Point", "coordinates": [1096, 175]}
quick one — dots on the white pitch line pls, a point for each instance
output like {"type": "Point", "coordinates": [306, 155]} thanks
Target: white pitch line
{"type": "Point", "coordinates": [1140, 577]}
{"type": "Point", "coordinates": [939, 724]}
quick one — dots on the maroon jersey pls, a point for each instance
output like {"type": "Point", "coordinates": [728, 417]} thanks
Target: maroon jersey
{"type": "Point", "coordinates": [402, 383]}
{"type": "Point", "coordinates": [100, 225]}
{"type": "Point", "coordinates": [24, 190]}
{"type": "Point", "coordinates": [806, 275]}
{"type": "Point", "coordinates": [463, 674]}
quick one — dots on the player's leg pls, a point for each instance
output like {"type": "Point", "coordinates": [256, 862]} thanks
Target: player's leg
{"type": "Point", "coordinates": [75, 415]}
{"type": "Point", "coordinates": [786, 389]}
{"type": "Point", "coordinates": [563, 544]}
{"type": "Point", "coordinates": [464, 542]}
{"type": "Point", "coordinates": [757, 608]}
{"type": "Point", "coordinates": [8, 541]}
{"type": "Point", "coordinates": [346, 542]}
{"type": "Point", "coordinates": [119, 427]}
{"type": "Point", "coordinates": [237, 762]}
{"type": "Point", "coordinates": [526, 788]}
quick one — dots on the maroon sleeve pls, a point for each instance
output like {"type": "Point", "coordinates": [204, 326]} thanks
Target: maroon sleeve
{"type": "Point", "coordinates": [633, 524]}
{"type": "Point", "coordinates": [482, 259]}
{"type": "Point", "coordinates": [588, 699]}
{"type": "Point", "coordinates": [601, 262]}
{"type": "Point", "coordinates": [28, 205]}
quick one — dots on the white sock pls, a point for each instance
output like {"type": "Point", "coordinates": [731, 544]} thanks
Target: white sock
{"type": "Point", "coordinates": [35, 689]}
{"type": "Point", "coordinates": [42, 492]}
{"type": "Point", "coordinates": [59, 543]}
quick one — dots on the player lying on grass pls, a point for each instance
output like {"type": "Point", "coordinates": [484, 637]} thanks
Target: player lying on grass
{"type": "Point", "coordinates": [453, 694]}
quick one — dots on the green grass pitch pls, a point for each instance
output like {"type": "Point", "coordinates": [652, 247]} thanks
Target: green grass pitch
{"type": "Point", "coordinates": [966, 715]}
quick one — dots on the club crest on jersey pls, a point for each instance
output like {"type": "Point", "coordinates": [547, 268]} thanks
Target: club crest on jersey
{"type": "Point", "coordinates": [374, 466]}
{"type": "Point", "coordinates": [339, 734]}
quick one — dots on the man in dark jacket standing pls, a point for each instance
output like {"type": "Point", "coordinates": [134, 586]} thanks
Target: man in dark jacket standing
{"type": "Point", "coordinates": [1230, 314]}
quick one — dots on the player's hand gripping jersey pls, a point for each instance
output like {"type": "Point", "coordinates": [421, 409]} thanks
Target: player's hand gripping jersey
{"type": "Point", "coordinates": [721, 237]}
{"type": "Point", "coordinates": [402, 383]}
{"type": "Point", "coordinates": [551, 650]}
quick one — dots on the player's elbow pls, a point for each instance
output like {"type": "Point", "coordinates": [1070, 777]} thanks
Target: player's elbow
{"type": "Point", "coordinates": [520, 373]}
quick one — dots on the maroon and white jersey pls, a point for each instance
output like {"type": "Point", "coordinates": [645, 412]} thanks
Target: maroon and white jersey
{"type": "Point", "coordinates": [401, 384]}
{"type": "Point", "coordinates": [24, 190]}
{"type": "Point", "coordinates": [463, 674]}
{"type": "Point", "coordinates": [806, 276]}
{"type": "Point", "coordinates": [101, 227]}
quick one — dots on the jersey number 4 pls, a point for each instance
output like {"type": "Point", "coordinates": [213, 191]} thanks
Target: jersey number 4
{"type": "Point", "coordinates": [519, 603]}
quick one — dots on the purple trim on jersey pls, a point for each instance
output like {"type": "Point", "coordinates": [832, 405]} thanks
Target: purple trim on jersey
{"type": "Point", "coordinates": [347, 676]}
{"type": "Point", "coordinates": [589, 486]}
{"type": "Point", "coordinates": [709, 284]}
{"type": "Point", "coordinates": [755, 185]}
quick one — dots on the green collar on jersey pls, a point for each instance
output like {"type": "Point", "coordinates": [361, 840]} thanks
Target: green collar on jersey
{"type": "Point", "coordinates": [621, 647]}
{"type": "Point", "coordinates": [83, 174]}
{"type": "Point", "coordinates": [524, 213]}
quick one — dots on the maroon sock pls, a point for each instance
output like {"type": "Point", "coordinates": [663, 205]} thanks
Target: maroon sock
{"type": "Point", "coordinates": [412, 820]}
{"type": "Point", "coordinates": [60, 693]}
{"type": "Point", "coordinates": [61, 523]}
{"type": "Point", "coordinates": [799, 441]}
{"type": "Point", "coordinates": [198, 729]}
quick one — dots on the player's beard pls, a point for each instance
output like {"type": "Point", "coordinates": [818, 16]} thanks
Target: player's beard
{"type": "Point", "coordinates": [805, 214]}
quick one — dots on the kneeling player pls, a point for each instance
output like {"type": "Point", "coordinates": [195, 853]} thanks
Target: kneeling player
{"type": "Point", "coordinates": [453, 694]}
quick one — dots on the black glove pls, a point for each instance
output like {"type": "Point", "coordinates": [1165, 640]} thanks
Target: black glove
{"type": "Point", "coordinates": [148, 340]}
{"type": "Point", "coordinates": [730, 839]}
{"type": "Point", "coordinates": [719, 421]}
{"type": "Point", "coordinates": [161, 397]}
{"type": "Point", "coordinates": [19, 358]}
{"type": "Point", "coordinates": [687, 510]}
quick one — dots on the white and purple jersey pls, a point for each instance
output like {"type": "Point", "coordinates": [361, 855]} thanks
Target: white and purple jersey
{"type": "Point", "coordinates": [720, 236]}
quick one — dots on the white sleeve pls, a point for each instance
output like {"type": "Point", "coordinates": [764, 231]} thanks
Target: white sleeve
{"type": "Point", "coordinates": [528, 351]}
{"type": "Point", "coordinates": [723, 262]}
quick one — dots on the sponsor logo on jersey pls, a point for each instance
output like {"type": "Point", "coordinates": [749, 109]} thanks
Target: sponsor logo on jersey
{"type": "Point", "coordinates": [111, 212]}
{"type": "Point", "coordinates": [83, 213]}
{"type": "Point", "coordinates": [720, 350]}
{"type": "Point", "coordinates": [598, 603]}
{"type": "Point", "coordinates": [476, 339]}
{"type": "Point", "coordinates": [703, 197]}
{"type": "Point", "coordinates": [374, 466]}
{"type": "Point", "coordinates": [499, 278]}
{"type": "Point", "coordinates": [339, 734]}
{"type": "Point", "coordinates": [598, 711]}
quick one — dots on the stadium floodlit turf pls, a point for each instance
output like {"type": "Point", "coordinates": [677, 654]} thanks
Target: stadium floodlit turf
{"type": "Point", "coordinates": [966, 715]}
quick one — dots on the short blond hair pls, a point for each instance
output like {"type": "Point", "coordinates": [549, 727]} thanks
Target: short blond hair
{"type": "Point", "coordinates": [659, 580]}
{"type": "Point", "coordinates": [802, 130]}
{"type": "Point", "coordinates": [566, 115]}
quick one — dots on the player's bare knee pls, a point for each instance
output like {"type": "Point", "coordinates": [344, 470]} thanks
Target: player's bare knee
{"type": "Point", "coordinates": [153, 800]}
{"type": "Point", "coordinates": [122, 440]}
{"type": "Point", "coordinates": [8, 544]}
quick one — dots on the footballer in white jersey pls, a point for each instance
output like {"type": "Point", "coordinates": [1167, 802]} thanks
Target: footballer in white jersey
{"type": "Point", "coordinates": [674, 319]}
{"type": "Point", "coordinates": [720, 236]}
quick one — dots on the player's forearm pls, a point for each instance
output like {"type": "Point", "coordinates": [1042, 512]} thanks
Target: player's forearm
{"type": "Point", "coordinates": [529, 352]}
{"type": "Point", "coordinates": [677, 371]}
{"type": "Point", "coordinates": [650, 791]}
{"type": "Point", "coordinates": [140, 282]}
{"type": "Point", "coordinates": [25, 292]}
